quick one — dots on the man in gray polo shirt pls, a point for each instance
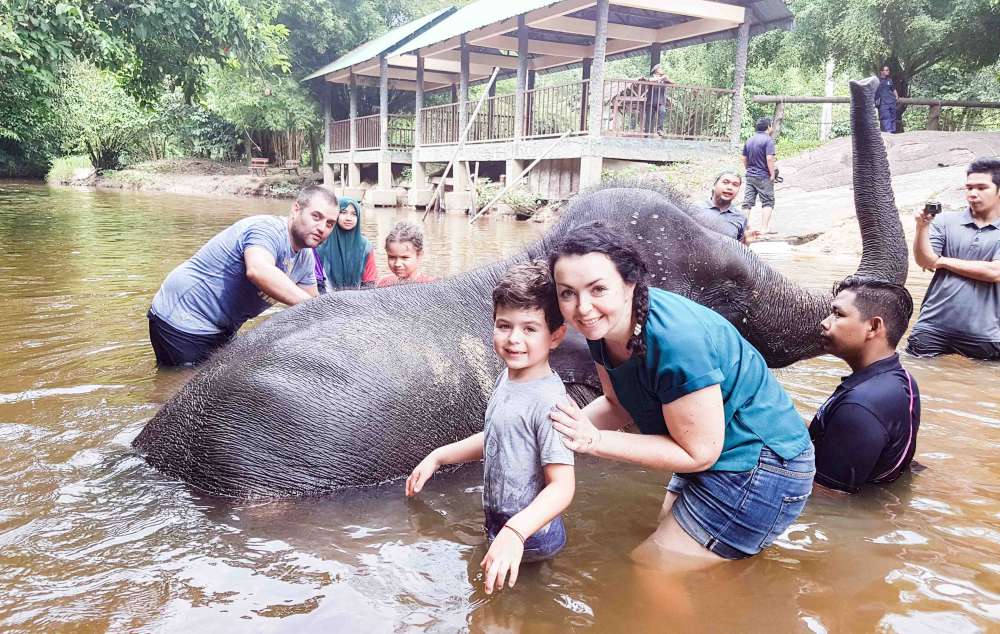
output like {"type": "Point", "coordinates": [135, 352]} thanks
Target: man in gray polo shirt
{"type": "Point", "coordinates": [961, 310]}
{"type": "Point", "coordinates": [719, 207]}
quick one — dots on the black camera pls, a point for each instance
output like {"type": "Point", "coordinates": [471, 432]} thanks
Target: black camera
{"type": "Point", "coordinates": [932, 209]}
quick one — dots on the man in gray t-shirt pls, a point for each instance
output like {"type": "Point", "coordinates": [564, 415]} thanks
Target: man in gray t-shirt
{"type": "Point", "coordinates": [961, 310]}
{"type": "Point", "coordinates": [236, 275]}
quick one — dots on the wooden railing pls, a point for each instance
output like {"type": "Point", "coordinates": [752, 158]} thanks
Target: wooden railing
{"type": "Point", "coordinates": [644, 108]}
{"type": "Point", "coordinates": [369, 134]}
{"type": "Point", "coordinates": [495, 121]}
{"type": "Point", "coordinates": [631, 108]}
{"type": "Point", "coordinates": [552, 110]}
{"type": "Point", "coordinates": [401, 131]}
{"type": "Point", "coordinates": [439, 124]}
{"type": "Point", "coordinates": [802, 114]}
{"type": "Point", "coordinates": [340, 136]}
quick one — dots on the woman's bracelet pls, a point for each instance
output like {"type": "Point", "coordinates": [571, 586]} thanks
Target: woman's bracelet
{"type": "Point", "coordinates": [515, 531]}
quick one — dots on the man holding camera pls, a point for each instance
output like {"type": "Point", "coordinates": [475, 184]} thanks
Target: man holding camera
{"type": "Point", "coordinates": [961, 310]}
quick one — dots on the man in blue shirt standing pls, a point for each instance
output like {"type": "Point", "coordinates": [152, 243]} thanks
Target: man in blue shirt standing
{"type": "Point", "coordinates": [961, 309]}
{"type": "Point", "coordinates": [867, 430]}
{"type": "Point", "coordinates": [760, 161]}
{"type": "Point", "coordinates": [236, 275]}
{"type": "Point", "coordinates": [885, 100]}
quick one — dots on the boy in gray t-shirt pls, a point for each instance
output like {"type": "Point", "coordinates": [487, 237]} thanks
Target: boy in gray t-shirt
{"type": "Point", "coordinates": [528, 477]}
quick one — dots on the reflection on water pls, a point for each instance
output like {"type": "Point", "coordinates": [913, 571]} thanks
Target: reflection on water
{"type": "Point", "coordinates": [93, 539]}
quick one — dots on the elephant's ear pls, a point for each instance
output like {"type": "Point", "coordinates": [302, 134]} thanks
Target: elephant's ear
{"type": "Point", "coordinates": [572, 362]}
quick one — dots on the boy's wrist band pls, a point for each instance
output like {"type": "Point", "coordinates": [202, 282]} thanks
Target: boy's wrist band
{"type": "Point", "coordinates": [515, 531]}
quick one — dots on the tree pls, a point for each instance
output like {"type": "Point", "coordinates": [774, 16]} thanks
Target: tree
{"type": "Point", "coordinates": [910, 36]}
{"type": "Point", "coordinates": [97, 116]}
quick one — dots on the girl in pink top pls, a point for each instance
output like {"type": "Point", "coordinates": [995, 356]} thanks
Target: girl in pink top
{"type": "Point", "coordinates": [404, 247]}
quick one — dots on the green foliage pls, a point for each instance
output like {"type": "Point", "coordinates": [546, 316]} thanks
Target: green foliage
{"type": "Point", "coordinates": [147, 43]}
{"type": "Point", "coordinates": [29, 131]}
{"type": "Point", "coordinates": [189, 129]}
{"type": "Point", "coordinates": [65, 168]}
{"type": "Point", "coordinates": [97, 116]}
{"type": "Point", "coordinates": [265, 102]}
{"type": "Point", "coordinates": [910, 35]}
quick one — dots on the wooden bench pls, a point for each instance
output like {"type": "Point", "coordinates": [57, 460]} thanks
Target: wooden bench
{"type": "Point", "coordinates": [259, 165]}
{"type": "Point", "coordinates": [289, 166]}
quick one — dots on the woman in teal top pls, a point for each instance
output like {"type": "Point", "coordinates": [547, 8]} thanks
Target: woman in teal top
{"type": "Point", "coordinates": [347, 256]}
{"type": "Point", "coordinates": [708, 408]}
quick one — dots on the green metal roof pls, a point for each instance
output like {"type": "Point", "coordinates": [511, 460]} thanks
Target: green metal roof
{"type": "Point", "coordinates": [471, 17]}
{"type": "Point", "coordinates": [384, 43]}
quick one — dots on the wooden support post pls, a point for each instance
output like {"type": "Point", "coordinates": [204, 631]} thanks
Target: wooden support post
{"type": "Point", "coordinates": [585, 93]}
{"type": "Point", "coordinates": [826, 116]}
{"type": "Point", "coordinates": [597, 70]}
{"type": "Point", "coordinates": [739, 81]}
{"type": "Point", "coordinates": [491, 112]}
{"type": "Point", "coordinates": [463, 86]}
{"type": "Point", "coordinates": [522, 78]}
{"type": "Point", "coordinates": [779, 116]}
{"type": "Point", "coordinates": [458, 148]}
{"type": "Point", "coordinates": [654, 55]}
{"type": "Point", "coordinates": [353, 111]}
{"type": "Point", "coordinates": [327, 117]}
{"type": "Point", "coordinates": [383, 103]}
{"type": "Point", "coordinates": [418, 104]}
{"type": "Point", "coordinates": [934, 117]}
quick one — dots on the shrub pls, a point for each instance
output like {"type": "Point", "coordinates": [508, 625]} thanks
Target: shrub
{"type": "Point", "coordinates": [64, 168]}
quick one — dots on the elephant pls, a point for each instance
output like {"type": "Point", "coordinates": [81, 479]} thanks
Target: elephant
{"type": "Point", "coordinates": [353, 388]}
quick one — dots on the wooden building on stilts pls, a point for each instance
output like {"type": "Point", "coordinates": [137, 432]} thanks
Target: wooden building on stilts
{"type": "Point", "coordinates": [608, 118]}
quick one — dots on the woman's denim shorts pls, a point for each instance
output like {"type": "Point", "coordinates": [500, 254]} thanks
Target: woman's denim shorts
{"type": "Point", "coordinates": [544, 544]}
{"type": "Point", "coordinates": [736, 514]}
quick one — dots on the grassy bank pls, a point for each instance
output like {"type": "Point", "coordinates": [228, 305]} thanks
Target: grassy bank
{"type": "Point", "coordinates": [199, 177]}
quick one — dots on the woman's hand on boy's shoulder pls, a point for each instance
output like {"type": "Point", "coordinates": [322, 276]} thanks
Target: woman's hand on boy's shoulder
{"type": "Point", "coordinates": [503, 557]}
{"type": "Point", "coordinates": [421, 474]}
{"type": "Point", "coordinates": [578, 433]}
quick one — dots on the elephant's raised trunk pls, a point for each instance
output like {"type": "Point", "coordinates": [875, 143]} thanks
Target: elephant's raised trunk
{"type": "Point", "coordinates": [884, 254]}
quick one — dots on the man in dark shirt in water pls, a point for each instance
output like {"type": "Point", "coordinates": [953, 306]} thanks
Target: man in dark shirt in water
{"type": "Point", "coordinates": [867, 430]}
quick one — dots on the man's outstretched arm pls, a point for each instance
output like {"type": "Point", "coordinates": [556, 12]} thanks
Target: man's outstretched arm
{"type": "Point", "coordinates": [263, 274]}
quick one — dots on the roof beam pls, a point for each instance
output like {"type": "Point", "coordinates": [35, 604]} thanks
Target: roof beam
{"type": "Point", "coordinates": [510, 24]}
{"type": "Point", "coordinates": [485, 59]}
{"type": "Point", "coordinates": [693, 29]}
{"type": "Point", "coordinates": [443, 64]}
{"type": "Point", "coordinates": [394, 84]}
{"type": "Point", "coordinates": [579, 26]}
{"type": "Point", "coordinates": [576, 51]}
{"type": "Point", "coordinates": [436, 77]}
{"type": "Point", "coordinates": [691, 8]}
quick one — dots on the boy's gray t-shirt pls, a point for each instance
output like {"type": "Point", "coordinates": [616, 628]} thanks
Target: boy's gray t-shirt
{"type": "Point", "coordinates": [519, 441]}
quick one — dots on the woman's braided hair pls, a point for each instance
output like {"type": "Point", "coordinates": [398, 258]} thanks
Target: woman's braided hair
{"type": "Point", "coordinates": [623, 253]}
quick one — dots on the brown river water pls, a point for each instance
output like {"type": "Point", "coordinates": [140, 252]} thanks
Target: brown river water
{"type": "Point", "coordinates": [93, 539]}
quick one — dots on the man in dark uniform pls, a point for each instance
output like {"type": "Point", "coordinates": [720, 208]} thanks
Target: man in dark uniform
{"type": "Point", "coordinates": [867, 430]}
{"type": "Point", "coordinates": [885, 101]}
